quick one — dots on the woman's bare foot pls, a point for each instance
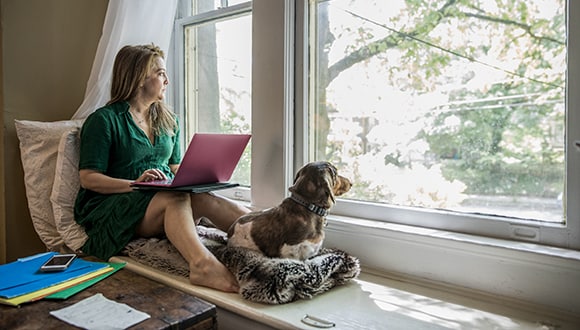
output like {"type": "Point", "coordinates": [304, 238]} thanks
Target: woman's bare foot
{"type": "Point", "coordinates": [209, 272]}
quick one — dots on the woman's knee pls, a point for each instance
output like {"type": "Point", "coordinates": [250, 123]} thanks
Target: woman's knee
{"type": "Point", "coordinates": [174, 199]}
{"type": "Point", "coordinates": [153, 222]}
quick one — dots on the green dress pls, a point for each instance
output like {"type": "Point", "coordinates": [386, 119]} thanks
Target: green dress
{"type": "Point", "coordinates": [113, 144]}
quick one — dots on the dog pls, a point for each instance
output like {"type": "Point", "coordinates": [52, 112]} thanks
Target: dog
{"type": "Point", "coordinates": [295, 228]}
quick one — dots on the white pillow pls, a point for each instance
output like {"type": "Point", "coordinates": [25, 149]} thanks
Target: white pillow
{"type": "Point", "coordinates": [38, 150]}
{"type": "Point", "coordinates": [65, 188]}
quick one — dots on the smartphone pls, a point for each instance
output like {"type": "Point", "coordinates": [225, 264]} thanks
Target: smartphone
{"type": "Point", "coordinates": [58, 262]}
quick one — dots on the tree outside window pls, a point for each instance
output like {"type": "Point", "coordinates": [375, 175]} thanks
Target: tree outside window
{"type": "Point", "coordinates": [453, 104]}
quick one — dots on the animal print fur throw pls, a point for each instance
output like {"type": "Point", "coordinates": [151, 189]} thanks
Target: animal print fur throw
{"type": "Point", "coordinates": [261, 279]}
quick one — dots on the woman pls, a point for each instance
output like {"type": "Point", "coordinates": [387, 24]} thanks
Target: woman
{"type": "Point", "coordinates": [135, 137]}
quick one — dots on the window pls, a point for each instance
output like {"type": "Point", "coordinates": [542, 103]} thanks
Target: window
{"type": "Point", "coordinates": [282, 107]}
{"type": "Point", "coordinates": [215, 79]}
{"type": "Point", "coordinates": [447, 116]}
{"type": "Point", "coordinates": [484, 120]}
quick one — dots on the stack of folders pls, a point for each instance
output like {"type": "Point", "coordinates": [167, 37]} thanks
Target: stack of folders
{"type": "Point", "coordinates": [21, 281]}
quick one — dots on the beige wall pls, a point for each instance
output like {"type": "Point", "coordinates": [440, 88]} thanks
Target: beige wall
{"type": "Point", "coordinates": [48, 48]}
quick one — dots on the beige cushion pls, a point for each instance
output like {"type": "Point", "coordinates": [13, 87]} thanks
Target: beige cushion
{"type": "Point", "coordinates": [38, 150]}
{"type": "Point", "coordinates": [65, 188]}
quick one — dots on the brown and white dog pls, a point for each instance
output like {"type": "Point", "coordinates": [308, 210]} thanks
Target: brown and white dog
{"type": "Point", "coordinates": [293, 229]}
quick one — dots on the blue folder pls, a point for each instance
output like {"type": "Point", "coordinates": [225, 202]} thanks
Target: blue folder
{"type": "Point", "coordinates": [23, 276]}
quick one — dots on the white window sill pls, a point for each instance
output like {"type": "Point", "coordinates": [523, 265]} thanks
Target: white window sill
{"type": "Point", "coordinates": [371, 302]}
{"type": "Point", "coordinates": [421, 278]}
{"type": "Point", "coordinates": [517, 272]}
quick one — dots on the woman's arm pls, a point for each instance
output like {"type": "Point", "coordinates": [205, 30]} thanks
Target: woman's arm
{"type": "Point", "coordinates": [104, 184]}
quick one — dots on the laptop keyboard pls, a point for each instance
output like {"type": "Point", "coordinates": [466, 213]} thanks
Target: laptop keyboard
{"type": "Point", "coordinates": [161, 182]}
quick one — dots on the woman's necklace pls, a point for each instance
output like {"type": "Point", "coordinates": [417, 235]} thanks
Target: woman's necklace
{"type": "Point", "coordinates": [138, 120]}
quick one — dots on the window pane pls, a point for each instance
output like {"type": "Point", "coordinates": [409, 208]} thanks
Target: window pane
{"type": "Point", "coordinates": [218, 82]}
{"type": "Point", "coordinates": [451, 106]}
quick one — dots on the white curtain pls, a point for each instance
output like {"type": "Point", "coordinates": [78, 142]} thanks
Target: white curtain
{"type": "Point", "coordinates": [127, 22]}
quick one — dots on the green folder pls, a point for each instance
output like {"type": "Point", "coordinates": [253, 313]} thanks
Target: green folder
{"type": "Point", "coordinates": [65, 294]}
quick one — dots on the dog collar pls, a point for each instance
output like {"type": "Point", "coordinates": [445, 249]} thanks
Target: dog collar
{"type": "Point", "coordinates": [321, 211]}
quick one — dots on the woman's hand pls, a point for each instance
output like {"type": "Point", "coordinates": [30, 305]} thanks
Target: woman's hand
{"type": "Point", "coordinates": [151, 175]}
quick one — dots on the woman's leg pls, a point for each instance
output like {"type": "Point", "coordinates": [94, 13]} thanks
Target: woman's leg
{"type": "Point", "coordinates": [221, 211]}
{"type": "Point", "coordinates": [172, 213]}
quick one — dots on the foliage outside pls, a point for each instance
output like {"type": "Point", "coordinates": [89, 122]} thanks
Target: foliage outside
{"type": "Point", "coordinates": [444, 104]}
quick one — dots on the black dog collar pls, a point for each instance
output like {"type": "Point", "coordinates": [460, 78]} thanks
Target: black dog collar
{"type": "Point", "coordinates": [321, 211]}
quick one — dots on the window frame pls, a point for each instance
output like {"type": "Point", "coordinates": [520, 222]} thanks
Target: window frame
{"type": "Point", "coordinates": [280, 82]}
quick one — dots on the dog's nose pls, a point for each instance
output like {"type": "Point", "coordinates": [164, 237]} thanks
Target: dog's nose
{"type": "Point", "coordinates": [343, 185]}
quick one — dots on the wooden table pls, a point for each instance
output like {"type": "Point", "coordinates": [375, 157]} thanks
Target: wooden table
{"type": "Point", "coordinates": [169, 308]}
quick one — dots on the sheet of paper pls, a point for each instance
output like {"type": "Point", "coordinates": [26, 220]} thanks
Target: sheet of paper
{"type": "Point", "coordinates": [98, 312]}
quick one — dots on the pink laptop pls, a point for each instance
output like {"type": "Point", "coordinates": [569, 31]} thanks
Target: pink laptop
{"type": "Point", "coordinates": [208, 163]}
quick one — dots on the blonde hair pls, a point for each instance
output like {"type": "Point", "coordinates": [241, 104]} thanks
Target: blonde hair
{"type": "Point", "coordinates": [132, 66]}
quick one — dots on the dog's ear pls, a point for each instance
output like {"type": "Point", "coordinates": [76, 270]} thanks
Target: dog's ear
{"type": "Point", "coordinates": [294, 184]}
{"type": "Point", "coordinates": [328, 177]}
{"type": "Point", "coordinates": [302, 185]}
